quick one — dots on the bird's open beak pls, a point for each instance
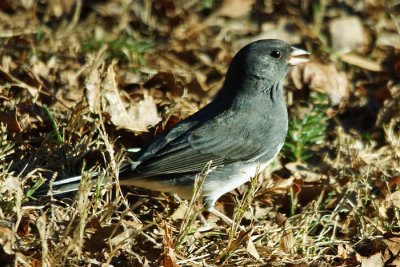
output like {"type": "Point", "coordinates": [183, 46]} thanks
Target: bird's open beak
{"type": "Point", "coordinates": [298, 56]}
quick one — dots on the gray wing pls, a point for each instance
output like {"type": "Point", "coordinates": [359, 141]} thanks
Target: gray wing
{"type": "Point", "coordinates": [189, 148]}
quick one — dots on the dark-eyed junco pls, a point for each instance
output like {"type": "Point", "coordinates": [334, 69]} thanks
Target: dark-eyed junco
{"type": "Point", "coordinates": [239, 132]}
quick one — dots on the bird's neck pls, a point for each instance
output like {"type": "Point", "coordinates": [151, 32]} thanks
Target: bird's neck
{"type": "Point", "coordinates": [253, 94]}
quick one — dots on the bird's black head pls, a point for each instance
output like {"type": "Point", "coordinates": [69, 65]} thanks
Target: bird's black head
{"type": "Point", "coordinates": [268, 59]}
{"type": "Point", "coordinates": [260, 67]}
{"type": "Point", "coordinates": [265, 59]}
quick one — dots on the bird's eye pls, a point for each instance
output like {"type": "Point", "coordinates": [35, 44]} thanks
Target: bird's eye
{"type": "Point", "coordinates": [275, 54]}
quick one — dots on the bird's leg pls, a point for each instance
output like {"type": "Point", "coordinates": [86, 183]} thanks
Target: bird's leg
{"type": "Point", "coordinates": [219, 214]}
{"type": "Point", "coordinates": [209, 202]}
{"type": "Point", "coordinates": [206, 226]}
{"type": "Point", "coordinates": [206, 223]}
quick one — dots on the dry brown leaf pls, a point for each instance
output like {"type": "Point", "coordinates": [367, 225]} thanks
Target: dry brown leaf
{"type": "Point", "coordinates": [11, 185]}
{"type": "Point", "coordinates": [282, 30]}
{"type": "Point", "coordinates": [344, 251]}
{"type": "Point", "coordinates": [395, 262]}
{"type": "Point", "coordinates": [393, 243]}
{"type": "Point", "coordinates": [93, 81]}
{"type": "Point", "coordinates": [92, 90]}
{"type": "Point", "coordinates": [179, 213]}
{"type": "Point", "coordinates": [395, 198]}
{"type": "Point", "coordinates": [235, 8]}
{"type": "Point", "coordinates": [6, 239]}
{"type": "Point", "coordinates": [60, 8]}
{"type": "Point", "coordinates": [10, 120]}
{"type": "Point", "coordinates": [122, 237]}
{"type": "Point", "coordinates": [27, 3]}
{"type": "Point", "coordinates": [136, 118]}
{"type": "Point", "coordinates": [39, 68]}
{"type": "Point", "coordinates": [169, 259]}
{"type": "Point", "coordinates": [301, 171]}
{"type": "Point", "coordinates": [322, 78]}
{"type": "Point", "coordinates": [361, 62]}
{"type": "Point", "coordinates": [388, 39]}
{"type": "Point", "coordinates": [252, 250]}
{"type": "Point", "coordinates": [167, 81]}
{"type": "Point", "coordinates": [287, 241]}
{"type": "Point", "coordinates": [13, 81]}
{"type": "Point", "coordinates": [347, 33]}
{"type": "Point", "coordinates": [373, 261]}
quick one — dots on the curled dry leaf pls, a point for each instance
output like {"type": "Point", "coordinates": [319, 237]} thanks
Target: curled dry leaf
{"type": "Point", "coordinates": [322, 78]}
{"type": "Point", "coordinates": [136, 118]}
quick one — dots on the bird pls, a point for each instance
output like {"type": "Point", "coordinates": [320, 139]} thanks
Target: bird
{"type": "Point", "coordinates": [236, 135]}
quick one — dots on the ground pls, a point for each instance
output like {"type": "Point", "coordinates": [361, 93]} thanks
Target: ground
{"type": "Point", "coordinates": [83, 84]}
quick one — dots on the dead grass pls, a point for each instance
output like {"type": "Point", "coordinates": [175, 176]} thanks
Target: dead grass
{"type": "Point", "coordinates": [81, 83]}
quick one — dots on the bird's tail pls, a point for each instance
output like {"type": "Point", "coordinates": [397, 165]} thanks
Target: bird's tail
{"type": "Point", "coordinates": [63, 186]}
{"type": "Point", "coordinates": [72, 184]}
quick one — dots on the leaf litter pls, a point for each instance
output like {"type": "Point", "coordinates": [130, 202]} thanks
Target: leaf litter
{"type": "Point", "coordinates": [81, 84]}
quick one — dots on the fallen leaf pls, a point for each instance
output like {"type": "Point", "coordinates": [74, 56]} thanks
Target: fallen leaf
{"type": "Point", "coordinates": [395, 197]}
{"type": "Point", "coordinates": [136, 118]}
{"type": "Point", "coordinates": [167, 81]}
{"type": "Point", "coordinates": [361, 62]}
{"type": "Point", "coordinates": [39, 67]}
{"type": "Point", "coordinates": [395, 262]}
{"type": "Point", "coordinates": [392, 240]}
{"type": "Point", "coordinates": [394, 181]}
{"type": "Point", "coordinates": [179, 213]}
{"type": "Point", "coordinates": [235, 8]}
{"type": "Point", "coordinates": [287, 241]}
{"type": "Point", "coordinates": [351, 38]}
{"type": "Point", "coordinates": [283, 30]}
{"type": "Point", "coordinates": [93, 81]}
{"type": "Point", "coordinates": [6, 239]}
{"type": "Point", "coordinates": [322, 78]}
{"type": "Point", "coordinates": [27, 3]}
{"type": "Point", "coordinates": [169, 258]}
{"type": "Point", "coordinates": [13, 81]}
{"type": "Point", "coordinates": [344, 251]}
{"type": "Point", "coordinates": [301, 171]}
{"type": "Point", "coordinates": [373, 261]}
{"type": "Point", "coordinates": [388, 39]}
{"type": "Point", "coordinates": [92, 90]}
{"type": "Point", "coordinates": [11, 185]}
{"type": "Point", "coordinates": [10, 120]}
{"type": "Point", "coordinates": [124, 236]}
{"type": "Point", "coordinates": [252, 250]}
